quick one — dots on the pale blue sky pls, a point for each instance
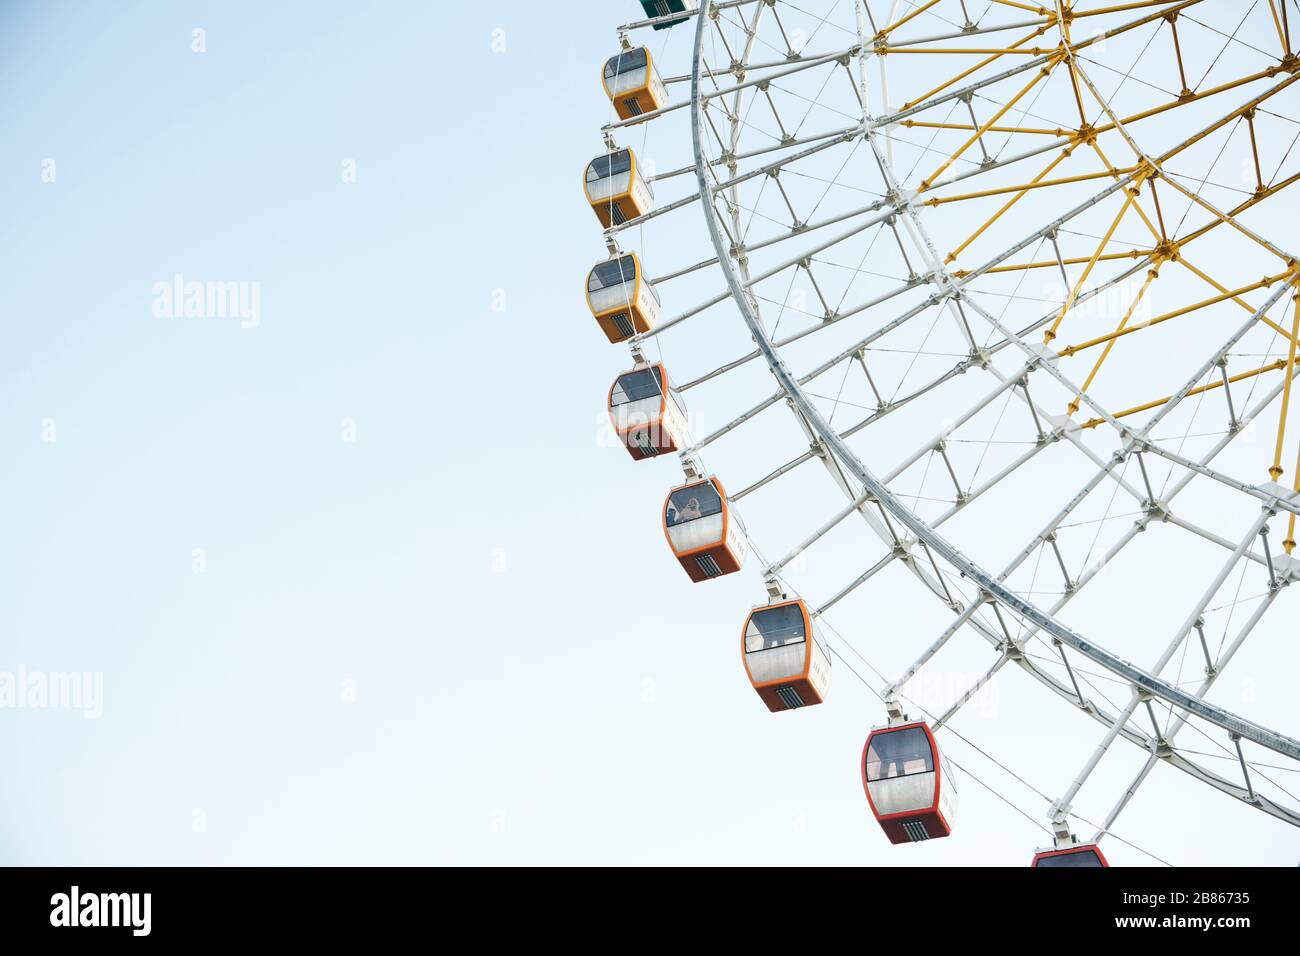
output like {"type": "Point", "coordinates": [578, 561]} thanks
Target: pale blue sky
{"type": "Point", "coordinates": [535, 681]}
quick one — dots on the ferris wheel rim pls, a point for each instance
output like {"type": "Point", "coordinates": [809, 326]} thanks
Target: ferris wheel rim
{"type": "Point", "coordinates": [1139, 679]}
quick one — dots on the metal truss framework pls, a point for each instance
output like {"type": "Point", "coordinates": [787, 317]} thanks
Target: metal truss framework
{"type": "Point", "coordinates": [717, 123]}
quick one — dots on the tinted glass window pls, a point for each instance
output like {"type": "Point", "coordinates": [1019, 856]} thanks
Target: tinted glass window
{"type": "Point", "coordinates": [899, 753]}
{"type": "Point", "coordinates": [694, 501]}
{"type": "Point", "coordinates": [775, 627]}
{"type": "Point", "coordinates": [1077, 858]}
{"type": "Point", "coordinates": [603, 167]}
{"type": "Point", "coordinates": [612, 273]}
{"type": "Point", "coordinates": [635, 386]}
{"type": "Point", "coordinates": [625, 62]}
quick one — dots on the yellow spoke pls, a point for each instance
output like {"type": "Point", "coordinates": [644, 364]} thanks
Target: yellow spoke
{"type": "Point", "coordinates": [1152, 275]}
{"type": "Point", "coordinates": [1275, 472]}
{"type": "Point", "coordinates": [1116, 173]}
{"type": "Point", "coordinates": [1200, 389]}
{"type": "Point", "coordinates": [1005, 206]}
{"type": "Point", "coordinates": [1025, 187]}
{"type": "Point", "coordinates": [968, 50]}
{"type": "Point", "coordinates": [1228, 218]}
{"type": "Point", "coordinates": [1129, 195]}
{"type": "Point", "coordinates": [974, 69]}
{"type": "Point", "coordinates": [1183, 90]}
{"type": "Point", "coordinates": [1118, 8]}
{"type": "Point", "coordinates": [1203, 94]}
{"type": "Point", "coordinates": [1042, 74]}
{"type": "Point", "coordinates": [1024, 6]}
{"type": "Point", "coordinates": [1182, 260]}
{"type": "Point", "coordinates": [968, 127]}
{"type": "Point", "coordinates": [1225, 120]}
{"type": "Point", "coordinates": [1253, 200]}
{"type": "Point", "coordinates": [1052, 263]}
{"type": "Point", "coordinates": [1161, 319]}
{"type": "Point", "coordinates": [915, 13]}
{"type": "Point", "coordinates": [1282, 31]}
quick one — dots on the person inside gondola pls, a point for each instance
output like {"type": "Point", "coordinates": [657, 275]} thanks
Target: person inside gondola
{"type": "Point", "coordinates": [691, 511]}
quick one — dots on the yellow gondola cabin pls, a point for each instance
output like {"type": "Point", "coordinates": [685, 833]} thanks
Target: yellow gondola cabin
{"type": "Point", "coordinates": [616, 189]}
{"type": "Point", "coordinates": [633, 84]}
{"type": "Point", "coordinates": [622, 300]}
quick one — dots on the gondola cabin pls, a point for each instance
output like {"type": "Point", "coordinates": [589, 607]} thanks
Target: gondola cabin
{"type": "Point", "coordinates": [908, 784]}
{"type": "Point", "coordinates": [662, 8]}
{"type": "Point", "coordinates": [647, 413]}
{"type": "Point", "coordinates": [1082, 855]}
{"type": "Point", "coordinates": [633, 84]}
{"type": "Point", "coordinates": [616, 189]}
{"type": "Point", "coordinates": [703, 530]}
{"type": "Point", "coordinates": [621, 298]}
{"type": "Point", "coordinates": [784, 657]}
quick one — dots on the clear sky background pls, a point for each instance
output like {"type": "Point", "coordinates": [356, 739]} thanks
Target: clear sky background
{"type": "Point", "coordinates": [434, 619]}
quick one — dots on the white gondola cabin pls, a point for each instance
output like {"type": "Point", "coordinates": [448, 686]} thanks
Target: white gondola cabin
{"type": "Point", "coordinates": [623, 301]}
{"type": "Point", "coordinates": [908, 784]}
{"type": "Point", "coordinates": [633, 84]}
{"type": "Point", "coordinates": [616, 189]}
{"type": "Point", "coordinates": [1082, 855]}
{"type": "Point", "coordinates": [784, 656]}
{"type": "Point", "coordinates": [648, 414]}
{"type": "Point", "coordinates": [702, 529]}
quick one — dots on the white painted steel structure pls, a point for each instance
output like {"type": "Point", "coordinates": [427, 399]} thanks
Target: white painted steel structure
{"type": "Point", "coordinates": [957, 296]}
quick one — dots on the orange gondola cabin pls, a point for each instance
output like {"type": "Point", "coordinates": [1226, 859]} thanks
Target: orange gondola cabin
{"type": "Point", "coordinates": [703, 530]}
{"type": "Point", "coordinates": [616, 188]}
{"type": "Point", "coordinates": [621, 298]}
{"type": "Point", "coordinates": [1083, 855]}
{"type": "Point", "coordinates": [908, 784]}
{"type": "Point", "coordinates": [633, 84]}
{"type": "Point", "coordinates": [784, 656]}
{"type": "Point", "coordinates": [648, 414]}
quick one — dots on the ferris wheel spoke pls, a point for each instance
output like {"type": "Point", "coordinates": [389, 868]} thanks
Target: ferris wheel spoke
{"type": "Point", "coordinates": [752, 67]}
{"type": "Point", "coordinates": [857, 350]}
{"type": "Point", "coordinates": [1137, 695]}
{"type": "Point", "coordinates": [1140, 740]}
{"type": "Point", "coordinates": [775, 568]}
{"type": "Point", "coordinates": [937, 96]}
{"type": "Point", "coordinates": [770, 72]}
{"type": "Point", "coordinates": [895, 46]}
{"type": "Point", "coordinates": [1133, 438]}
{"type": "Point", "coordinates": [730, 183]}
{"type": "Point", "coordinates": [789, 263]}
{"type": "Point", "coordinates": [1213, 670]}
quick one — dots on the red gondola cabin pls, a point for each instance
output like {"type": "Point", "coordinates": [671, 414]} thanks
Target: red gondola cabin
{"type": "Point", "coordinates": [1082, 855]}
{"type": "Point", "coordinates": [908, 784]}
{"type": "Point", "coordinates": [703, 531]}
{"type": "Point", "coordinates": [784, 658]}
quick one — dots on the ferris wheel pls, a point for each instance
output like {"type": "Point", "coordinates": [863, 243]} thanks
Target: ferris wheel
{"type": "Point", "coordinates": [989, 309]}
